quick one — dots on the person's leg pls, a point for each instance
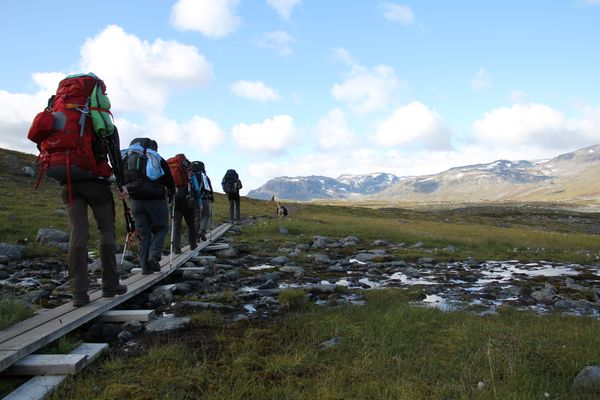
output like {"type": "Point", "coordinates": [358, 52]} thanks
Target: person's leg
{"type": "Point", "coordinates": [231, 207]}
{"type": "Point", "coordinates": [77, 259]}
{"type": "Point", "coordinates": [189, 220]}
{"type": "Point", "coordinates": [103, 207]}
{"type": "Point", "coordinates": [159, 212]}
{"type": "Point", "coordinates": [142, 223]}
{"type": "Point", "coordinates": [177, 230]}
{"type": "Point", "coordinates": [237, 208]}
{"type": "Point", "coordinates": [205, 221]}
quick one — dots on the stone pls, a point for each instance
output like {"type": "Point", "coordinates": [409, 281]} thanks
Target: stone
{"type": "Point", "coordinates": [191, 307]}
{"type": "Point", "coordinates": [366, 257]}
{"type": "Point", "coordinates": [46, 235]}
{"type": "Point", "coordinates": [160, 296]}
{"type": "Point", "coordinates": [544, 295]}
{"type": "Point", "coordinates": [12, 251]}
{"type": "Point", "coordinates": [449, 249]}
{"type": "Point", "coordinates": [125, 337]}
{"type": "Point", "coordinates": [352, 239]}
{"type": "Point", "coordinates": [380, 242]}
{"type": "Point", "coordinates": [281, 260]}
{"type": "Point", "coordinates": [133, 326]}
{"type": "Point", "coordinates": [95, 266]}
{"type": "Point", "coordinates": [320, 242]}
{"type": "Point", "coordinates": [283, 230]}
{"type": "Point", "coordinates": [297, 271]}
{"type": "Point", "coordinates": [330, 343]}
{"type": "Point", "coordinates": [418, 245]}
{"type": "Point", "coordinates": [570, 283]}
{"type": "Point", "coordinates": [28, 172]}
{"type": "Point", "coordinates": [336, 268]}
{"type": "Point", "coordinates": [164, 325]}
{"type": "Point", "coordinates": [588, 379]}
{"type": "Point", "coordinates": [227, 253]}
{"type": "Point", "coordinates": [321, 258]}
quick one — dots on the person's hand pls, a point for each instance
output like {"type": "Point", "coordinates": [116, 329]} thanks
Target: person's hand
{"type": "Point", "coordinates": [123, 193]}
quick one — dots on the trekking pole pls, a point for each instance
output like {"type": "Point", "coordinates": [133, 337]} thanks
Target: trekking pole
{"type": "Point", "coordinates": [172, 232]}
{"type": "Point", "coordinates": [211, 224]}
{"type": "Point", "coordinates": [130, 226]}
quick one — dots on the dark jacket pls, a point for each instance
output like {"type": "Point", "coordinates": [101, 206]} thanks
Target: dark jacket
{"type": "Point", "coordinates": [164, 185]}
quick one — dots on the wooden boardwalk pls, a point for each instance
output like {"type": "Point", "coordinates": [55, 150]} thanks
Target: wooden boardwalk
{"type": "Point", "coordinates": [25, 337]}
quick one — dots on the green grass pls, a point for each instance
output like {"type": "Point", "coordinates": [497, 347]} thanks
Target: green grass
{"type": "Point", "coordinates": [388, 349]}
{"type": "Point", "coordinates": [12, 310]}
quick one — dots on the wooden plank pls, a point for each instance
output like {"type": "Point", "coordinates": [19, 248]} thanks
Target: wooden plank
{"type": "Point", "coordinates": [127, 315]}
{"type": "Point", "coordinates": [48, 364]}
{"type": "Point", "coordinates": [91, 350]}
{"type": "Point", "coordinates": [37, 388]}
{"type": "Point", "coordinates": [217, 246]}
{"type": "Point", "coordinates": [28, 336]}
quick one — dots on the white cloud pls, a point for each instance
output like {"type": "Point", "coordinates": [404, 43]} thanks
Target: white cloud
{"type": "Point", "coordinates": [212, 18]}
{"type": "Point", "coordinates": [140, 76]}
{"type": "Point", "coordinates": [394, 12]}
{"type": "Point", "coordinates": [272, 135]}
{"type": "Point", "coordinates": [592, 2]}
{"type": "Point", "coordinates": [255, 90]}
{"type": "Point", "coordinates": [413, 125]}
{"type": "Point", "coordinates": [532, 123]}
{"type": "Point", "coordinates": [197, 133]}
{"type": "Point", "coordinates": [482, 80]}
{"type": "Point", "coordinates": [333, 130]}
{"type": "Point", "coordinates": [367, 90]}
{"type": "Point", "coordinates": [283, 7]}
{"type": "Point", "coordinates": [344, 56]}
{"type": "Point", "coordinates": [279, 41]}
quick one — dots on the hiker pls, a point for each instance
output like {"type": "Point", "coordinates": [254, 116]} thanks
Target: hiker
{"type": "Point", "coordinates": [148, 180]}
{"type": "Point", "coordinates": [231, 186]}
{"type": "Point", "coordinates": [77, 139]}
{"type": "Point", "coordinates": [185, 201]}
{"type": "Point", "coordinates": [205, 193]}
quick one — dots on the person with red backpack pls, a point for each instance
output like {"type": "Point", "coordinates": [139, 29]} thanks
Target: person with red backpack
{"type": "Point", "coordinates": [185, 201]}
{"type": "Point", "coordinates": [148, 180]}
{"type": "Point", "coordinates": [77, 139]}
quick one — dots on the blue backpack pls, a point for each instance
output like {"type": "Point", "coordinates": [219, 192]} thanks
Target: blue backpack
{"type": "Point", "coordinates": [142, 167]}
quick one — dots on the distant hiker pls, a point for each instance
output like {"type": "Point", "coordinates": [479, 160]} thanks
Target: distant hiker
{"type": "Point", "coordinates": [77, 139]}
{"type": "Point", "coordinates": [202, 183]}
{"type": "Point", "coordinates": [185, 201]}
{"type": "Point", "coordinates": [148, 180]}
{"type": "Point", "coordinates": [231, 186]}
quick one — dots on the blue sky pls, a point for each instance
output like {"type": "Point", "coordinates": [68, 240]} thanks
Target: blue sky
{"type": "Point", "coordinates": [307, 87]}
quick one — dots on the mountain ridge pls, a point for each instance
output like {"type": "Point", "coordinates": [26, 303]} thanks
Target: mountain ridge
{"type": "Point", "coordinates": [568, 176]}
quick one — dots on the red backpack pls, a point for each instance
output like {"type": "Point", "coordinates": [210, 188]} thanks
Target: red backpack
{"type": "Point", "coordinates": [69, 148]}
{"type": "Point", "coordinates": [180, 169]}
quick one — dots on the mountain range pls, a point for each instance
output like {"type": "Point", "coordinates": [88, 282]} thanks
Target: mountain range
{"type": "Point", "coordinates": [567, 177]}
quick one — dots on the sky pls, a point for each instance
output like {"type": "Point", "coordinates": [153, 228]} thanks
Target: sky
{"type": "Point", "coordinates": [317, 87]}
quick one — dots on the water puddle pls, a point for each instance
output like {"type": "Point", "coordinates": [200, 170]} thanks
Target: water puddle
{"type": "Point", "coordinates": [260, 267]}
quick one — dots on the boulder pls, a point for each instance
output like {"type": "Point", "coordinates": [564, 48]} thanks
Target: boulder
{"type": "Point", "coordinates": [164, 325]}
{"type": "Point", "coordinates": [588, 379]}
{"type": "Point", "coordinates": [46, 236]}
{"type": "Point", "coordinates": [12, 251]}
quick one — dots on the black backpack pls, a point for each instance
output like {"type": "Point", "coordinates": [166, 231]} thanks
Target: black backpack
{"type": "Point", "coordinates": [230, 181]}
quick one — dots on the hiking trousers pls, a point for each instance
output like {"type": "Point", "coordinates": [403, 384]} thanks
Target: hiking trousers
{"type": "Point", "coordinates": [234, 207]}
{"type": "Point", "coordinates": [152, 220]}
{"type": "Point", "coordinates": [98, 196]}
{"type": "Point", "coordinates": [187, 213]}
{"type": "Point", "coordinates": [203, 216]}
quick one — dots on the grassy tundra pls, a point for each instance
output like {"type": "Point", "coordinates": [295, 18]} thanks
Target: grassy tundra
{"type": "Point", "coordinates": [385, 349]}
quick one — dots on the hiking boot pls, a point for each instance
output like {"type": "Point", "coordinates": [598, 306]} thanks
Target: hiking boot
{"type": "Point", "coordinates": [114, 291]}
{"type": "Point", "coordinates": [80, 299]}
{"type": "Point", "coordinates": [177, 250]}
{"type": "Point", "coordinates": [147, 271]}
{"type": "Point", "coordinates": [202, 236]}
{"type": "Point", "coordinates": [153, 264]}
{"type": "Point", "coordinates": [193, 246]}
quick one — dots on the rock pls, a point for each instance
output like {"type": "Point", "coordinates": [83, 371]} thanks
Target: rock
{"type": "Point", "coordinates": [320, 242]}
{"type": "Point", "coordinates": [28, 172]}
{"type": "Point", "coordinates": [366, 257]}
{"type": "Point", "coordinates": [125, 337]}
{"type": "Point", "coordinates": [380, 242]}
{"type": "Point", "coordinates": [269, 284]}
{"type": "Point", "coordinates": [164, 325]}
{"type": "Point", "coordinates": [330, 343]}
{"type": "Point", "coordinates": [110, 330]}
{"type": "Point", "coordinates": [160, 296]}
{"type": "Point", "coordinates": [95, 266]}
{"type": "Point", "coordinates": [336, 268]}
{"type": "Point", "coordinates": [191, 307]}
{"type": "Point", "coordinates": [45, 236]}
{"type": "Point", "coordinates": [125, 266]}
{"type": "Point", "coordinates": [449, 249]}
{"type": "Point", "coordinates": [426, 261]}
{"type": "Point", "coordinates": [570, 283]}
{"type": "Point", "coordinates": [281, 260]}
{"type": "Point", "coordinates": [567, 304]}
{"type": "Point", "coordinates": [588, 379]}
{"type": "Point", "coordinates": [133, 326]}
{"type": "Point", "coordinates": [64, 247]}
{"type": "Point", "coordinates": [243, 248]}
{"type": "Point", "coordinates": [227, 253]}
{"type": "Point", "coordinates": [302, 247]}
{"type": "Point", "coordinates": [4, 275]}
{"type": "Point", "coordinates": [352, 239]}
{"type": "Point", "coordinates": [544, 295]}
{"type": "Point", "coordinates": [12, 251]}
{"type": "Point", "coordinates": [321, 258]}
{"type": "Point", "coordinates": [297, 271]}
{"type": "Point", "coordinates": [418, 245]}
{"type": "Point", "coordinates": [283, 230]}
{"type": "Point", "coordinates": [4, 259]}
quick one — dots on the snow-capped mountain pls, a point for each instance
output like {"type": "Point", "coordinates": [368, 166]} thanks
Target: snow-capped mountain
{"type": "Point", "coordinates": [570, 176]}
{"type": "Point", "coordinates": [321, 187]}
